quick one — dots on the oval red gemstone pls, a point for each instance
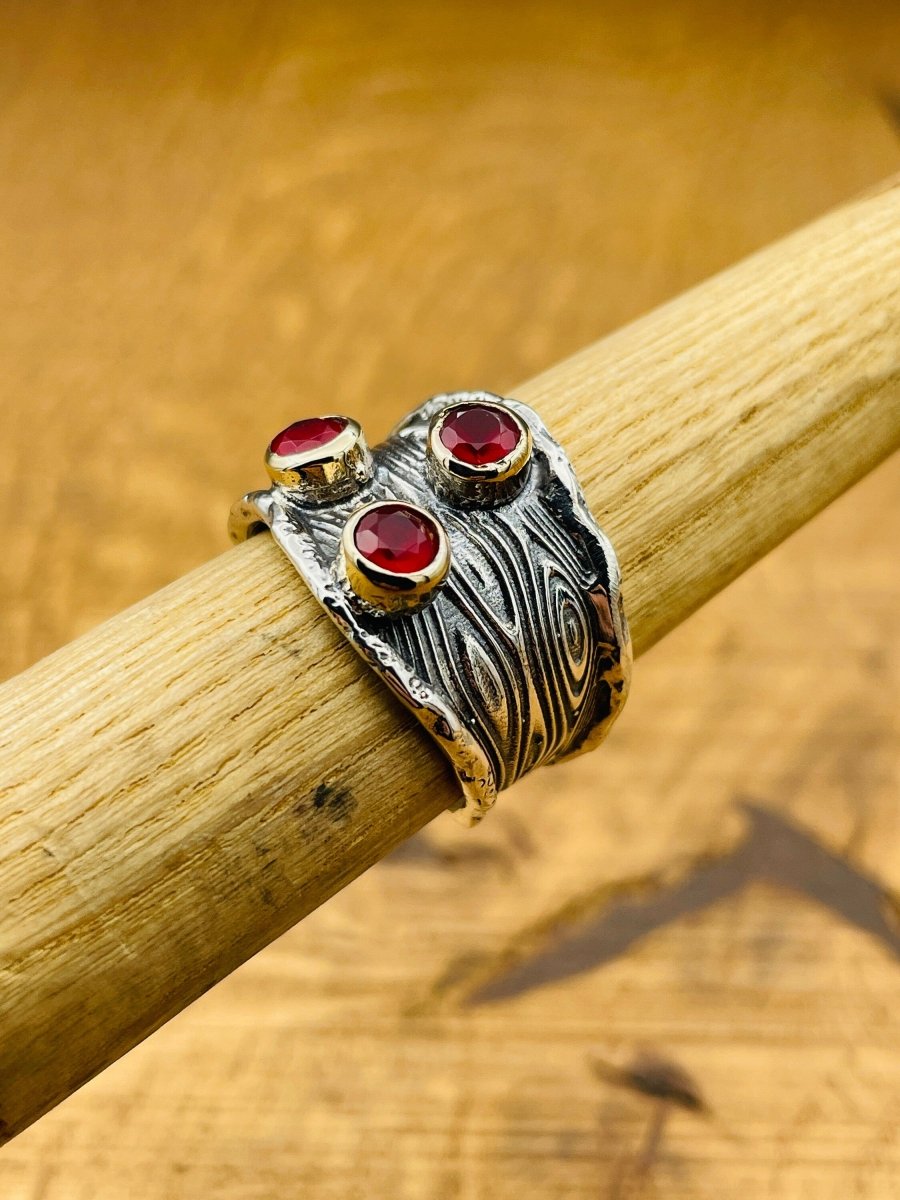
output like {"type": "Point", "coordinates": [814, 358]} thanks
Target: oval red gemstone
{"type": "Point", "coordinates": [397, 538]}
{"type": "Point", "coordinates": [479, 435]}
{"type": "Point", "coordinates": [311, 434]}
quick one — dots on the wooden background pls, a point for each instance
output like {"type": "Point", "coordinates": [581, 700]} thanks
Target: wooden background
{"type": "Point", "coordinates": [216, 218]}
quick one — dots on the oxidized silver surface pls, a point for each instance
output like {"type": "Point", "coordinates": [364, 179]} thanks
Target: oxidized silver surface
{"type": "Point", "coordinates": [523, 655]}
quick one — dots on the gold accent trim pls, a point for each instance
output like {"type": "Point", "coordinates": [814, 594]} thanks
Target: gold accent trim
{"type": "Point", "coordinates": [477, 483]}
{"type": "Point", "coordinates": [392, 592]}
{"type": "Point", "coordinates": [327, 472]}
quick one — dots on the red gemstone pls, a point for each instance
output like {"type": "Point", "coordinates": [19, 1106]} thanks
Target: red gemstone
{"type": "Point", "coordinates": [311, 434]}
{"type": "Point", "coordinates": [479, 435]}
{"type": "Point", "coordinates": [398, 539]}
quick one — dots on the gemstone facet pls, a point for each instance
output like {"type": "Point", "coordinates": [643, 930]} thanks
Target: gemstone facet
{"type": "Point", "coordinates": [478, 434]}
{"type": "Point", "coordinates": [397, 539]}
{"type": "Point", "coordinates": [310, 434]}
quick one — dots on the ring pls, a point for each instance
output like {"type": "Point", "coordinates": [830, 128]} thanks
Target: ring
{"type": "Point", "coordinates": [460, 559]}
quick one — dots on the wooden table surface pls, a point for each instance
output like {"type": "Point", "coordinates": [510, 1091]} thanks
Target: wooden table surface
{"type": "Point", "coordinates": [667, 970]}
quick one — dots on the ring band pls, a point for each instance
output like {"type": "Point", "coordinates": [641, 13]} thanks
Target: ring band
{"type": "Point", "coordinates": [461, 561]}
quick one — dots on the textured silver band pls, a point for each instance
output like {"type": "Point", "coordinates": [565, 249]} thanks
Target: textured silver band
{"type": "Point", "coordinates": [522, 656]}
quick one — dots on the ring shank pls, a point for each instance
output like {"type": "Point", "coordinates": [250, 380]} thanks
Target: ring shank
{"type": "Point", "coordinates": [523, 655]}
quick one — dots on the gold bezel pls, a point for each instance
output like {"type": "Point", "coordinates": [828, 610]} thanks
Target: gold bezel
{"type": "Point", "coordinates": [326, 472]}
{"type": "Point", "coordinates": [388, 591]}
{"type": "Point", "coordinates": [479, 483]}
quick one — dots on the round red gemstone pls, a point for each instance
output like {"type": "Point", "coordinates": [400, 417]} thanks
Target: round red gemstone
{"type": "Point", "coordinates": [311, 434]}
{"type": "Point", "coordinates": [479, 435]}
{"type": "Point", "coordinates": [397, 538]}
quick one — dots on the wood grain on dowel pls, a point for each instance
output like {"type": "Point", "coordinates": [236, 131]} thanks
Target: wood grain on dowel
{"type": "Point", "coordinates": [186, 782]}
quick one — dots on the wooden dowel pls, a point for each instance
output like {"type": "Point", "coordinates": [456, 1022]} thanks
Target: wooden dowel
{"type": "Point", "coordinates": [189, 780]}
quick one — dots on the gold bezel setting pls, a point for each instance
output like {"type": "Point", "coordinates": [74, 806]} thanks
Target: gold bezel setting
{"type": "Point", "coordinates": [482, 484]}
{"type": "Point", "coordinates": [327, 472]}
{"type": "Point", "coordinates": [393, 592]}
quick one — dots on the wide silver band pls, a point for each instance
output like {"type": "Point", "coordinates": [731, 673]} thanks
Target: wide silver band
{"type": "Point", "coordinates": [515, 650]}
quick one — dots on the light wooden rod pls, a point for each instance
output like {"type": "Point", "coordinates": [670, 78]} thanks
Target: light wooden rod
{"type": "Point", "coordinates": [189, 780]}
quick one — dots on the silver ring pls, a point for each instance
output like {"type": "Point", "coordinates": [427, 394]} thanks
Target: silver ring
{"type": "Point", "coordinates": [460, 559]}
